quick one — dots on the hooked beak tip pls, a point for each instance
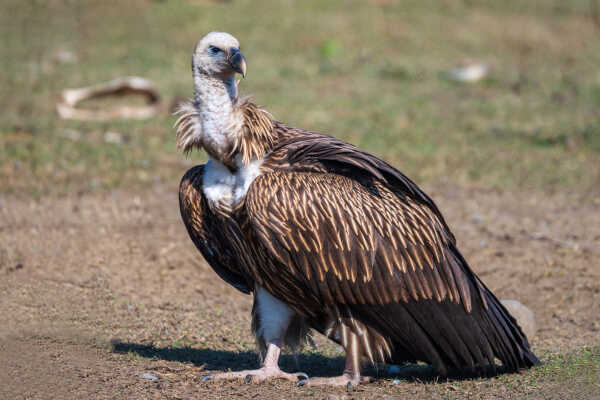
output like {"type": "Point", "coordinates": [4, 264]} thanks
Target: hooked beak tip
{"type": "Point", "coordinates": [242, 68]}
{"type": "Point", "coordinates": [238, 62]}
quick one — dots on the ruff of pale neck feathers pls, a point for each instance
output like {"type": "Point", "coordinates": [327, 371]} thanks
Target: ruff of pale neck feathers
{"type": "Point", "coordinates": [251, 132]}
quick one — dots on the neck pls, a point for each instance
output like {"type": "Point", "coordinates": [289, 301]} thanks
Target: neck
{"type": "Point", "coordinates": [223, 87]}
{"type": "Point", "coordinates": [215, 101]}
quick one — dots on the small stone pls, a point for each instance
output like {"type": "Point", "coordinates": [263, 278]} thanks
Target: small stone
{"type": "Point", "coordinates": [150, 377]}
{"type": "Point", "coordinates": [113, 137]}
{"type": "Point", "coordinates": [478, 219]}
{"type": "Point", "coordinates": [469, 72]}
{"type": "Point", "coordinates": [65, 56]}
{"type": "Point", "coordinates": [524, 316]}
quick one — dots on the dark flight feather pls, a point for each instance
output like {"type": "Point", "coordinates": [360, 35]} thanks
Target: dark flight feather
{"type": "Point", "coordinates": [208, 231]}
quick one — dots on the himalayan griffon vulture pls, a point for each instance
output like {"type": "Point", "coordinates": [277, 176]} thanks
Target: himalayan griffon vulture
{"type": "Point", "coordinates": [328, 237]}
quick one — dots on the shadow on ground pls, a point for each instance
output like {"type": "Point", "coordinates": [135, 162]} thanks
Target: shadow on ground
{"type": "Point", "coordinates": [312, 363]}
{"type": "Point", "coordinates": [223, 360]}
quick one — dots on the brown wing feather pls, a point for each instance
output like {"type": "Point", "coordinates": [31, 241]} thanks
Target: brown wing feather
{"type": "Point", "coordinates": [330, 228]}
{"type": "Point", "coordinates": [301, 150]}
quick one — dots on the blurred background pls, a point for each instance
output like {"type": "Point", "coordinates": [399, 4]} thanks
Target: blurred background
{"type": "Point", "coordinates": [493, 107]}
{"type": "Point", "coordinates": [377, 73]}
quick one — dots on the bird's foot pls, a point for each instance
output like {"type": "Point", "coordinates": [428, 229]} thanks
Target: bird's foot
{"type": "Point", "coordinates": [343, 380]}
{"type": "Point", "coordinates": [257, 375]}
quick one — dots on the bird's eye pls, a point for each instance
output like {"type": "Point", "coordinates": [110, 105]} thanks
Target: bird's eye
{"type": "Point", "coordinates": [214, 50]}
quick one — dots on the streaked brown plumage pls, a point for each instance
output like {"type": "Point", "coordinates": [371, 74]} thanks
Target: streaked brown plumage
{"type": "Point", "coordinates": [350, 244]}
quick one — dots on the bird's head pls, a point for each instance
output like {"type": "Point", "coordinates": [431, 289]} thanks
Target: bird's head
{"type": "Point", "coordinates": [218, 55]}
{"type": "Point", "coordinates": [211, 121]}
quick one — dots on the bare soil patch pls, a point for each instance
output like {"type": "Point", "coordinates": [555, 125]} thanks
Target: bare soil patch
{"type": "Point", "coordinates": [98, 289]}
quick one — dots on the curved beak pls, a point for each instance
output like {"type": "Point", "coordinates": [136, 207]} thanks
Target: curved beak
{"type": "Point", "coordinates": [237, 61]}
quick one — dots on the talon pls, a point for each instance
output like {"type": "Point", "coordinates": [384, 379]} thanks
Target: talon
{"type": "Point", "coordinates": [248, 379]}
{"type": "Point", "coordinates": [205, 378]}
{"type": "Point", "coordinates": [301, 375]}
{"type": "Point", "coordinates": [302, 382]}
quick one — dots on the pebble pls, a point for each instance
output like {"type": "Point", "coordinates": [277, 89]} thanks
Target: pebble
{"type": "Point", "coordinates": [113, 137]}
{"type": "Point", "coordinates": [150, 377]}
{"type": "Point", "coordinates": [64, 56]}
{"type": "Point", "coordinates": [469, 73]}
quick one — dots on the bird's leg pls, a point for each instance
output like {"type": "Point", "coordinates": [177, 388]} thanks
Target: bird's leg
{"type": "Point", "coordinates": [269, 369]}
{"type": "Point", "coordinates": [271, 319]}
{"type": "Point", "coordinates": [351, 376]}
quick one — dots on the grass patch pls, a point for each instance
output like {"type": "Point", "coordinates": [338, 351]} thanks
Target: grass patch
{"type": "Point", "coordinates": [367, 72]}
{"type": "Point", "coordinates": [581, 366]}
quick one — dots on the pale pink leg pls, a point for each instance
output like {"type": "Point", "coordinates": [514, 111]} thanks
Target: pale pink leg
{"type": "Point", "coordinates": [269, 370]}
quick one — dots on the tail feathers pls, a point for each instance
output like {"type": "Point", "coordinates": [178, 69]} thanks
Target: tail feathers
{"type": "Point", "coordinates": [509, 343]}
{"type": "Point", "coordinates": [445, 335]}
{"type": "Point", "coordinates": [448, 333]}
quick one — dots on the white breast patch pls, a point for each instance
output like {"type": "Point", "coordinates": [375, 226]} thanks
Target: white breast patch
{"type": "Point", "coordinates": [221, 186]}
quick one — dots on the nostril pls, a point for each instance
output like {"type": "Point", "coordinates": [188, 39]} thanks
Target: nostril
{"type": "Point", "coordinates": [234, 52]}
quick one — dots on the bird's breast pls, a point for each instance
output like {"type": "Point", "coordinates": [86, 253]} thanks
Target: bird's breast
{"type": "Point", "coordinates": [224, 188]}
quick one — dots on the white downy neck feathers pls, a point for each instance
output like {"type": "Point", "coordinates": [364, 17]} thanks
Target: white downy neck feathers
{"type": "Point", "coordinates": [218, 123]}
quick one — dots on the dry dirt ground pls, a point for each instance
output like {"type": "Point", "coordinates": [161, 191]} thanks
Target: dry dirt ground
{"type": "Point", "coordinates": [98, 289]}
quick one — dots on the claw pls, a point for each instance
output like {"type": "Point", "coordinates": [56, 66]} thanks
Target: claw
{"type": "Point", "coordinates": [301, 375]}
{"type": "Point", "coordinates": [302, 382]}
{"type": "Point", "coordinates": [205, 378]}
{"type": "Point", "coordinates": [248, 379]}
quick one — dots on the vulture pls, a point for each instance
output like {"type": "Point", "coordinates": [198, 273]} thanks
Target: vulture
{"type": "Point", "coordinates": [330, 238]}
